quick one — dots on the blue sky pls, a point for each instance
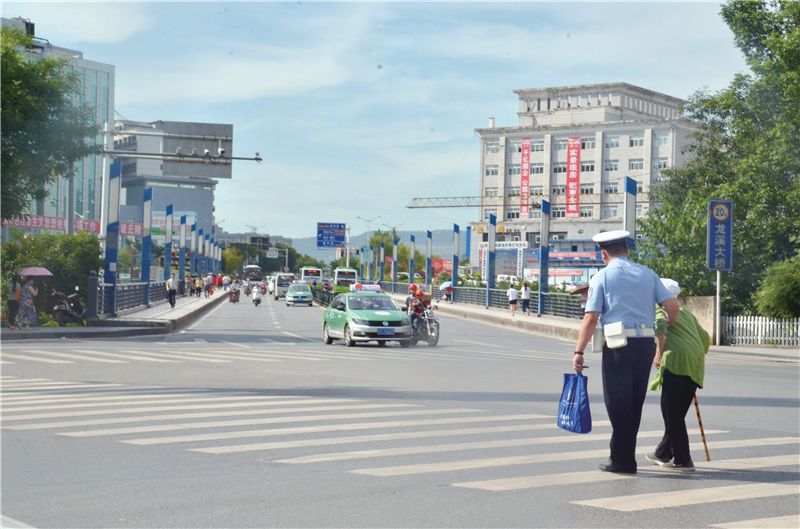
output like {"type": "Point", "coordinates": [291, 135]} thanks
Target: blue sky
{"type": "Point", "coordinates": [356, 108]}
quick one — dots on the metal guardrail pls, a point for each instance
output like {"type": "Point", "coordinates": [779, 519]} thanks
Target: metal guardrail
{"type": "Point", "coordinates": [129, 296]}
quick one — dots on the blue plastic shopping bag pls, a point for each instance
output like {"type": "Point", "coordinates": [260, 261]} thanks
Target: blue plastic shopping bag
{"type": "Point", "coordinates": [573, 408]}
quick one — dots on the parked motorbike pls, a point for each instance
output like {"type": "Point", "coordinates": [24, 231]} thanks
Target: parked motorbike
{"type": "Point", "coordinates": [426, 328]}
{"type": "Point", "coordinates": [69, 309]}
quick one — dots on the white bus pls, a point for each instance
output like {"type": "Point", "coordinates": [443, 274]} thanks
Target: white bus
{"type": "Point", "coordinates": [309, 274]}
{"type": "Point", "coordinates": [343, 278]}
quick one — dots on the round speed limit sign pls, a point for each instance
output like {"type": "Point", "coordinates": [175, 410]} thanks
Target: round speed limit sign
{"type": "Point", "coordinates": [721, 212]}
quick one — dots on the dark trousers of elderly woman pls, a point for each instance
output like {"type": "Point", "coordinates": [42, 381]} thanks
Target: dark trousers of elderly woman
{"type": "Point", "coordinates": [677, 394]}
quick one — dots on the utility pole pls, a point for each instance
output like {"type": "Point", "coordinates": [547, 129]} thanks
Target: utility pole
{"type": "Point", "coordinates": [369, 229]}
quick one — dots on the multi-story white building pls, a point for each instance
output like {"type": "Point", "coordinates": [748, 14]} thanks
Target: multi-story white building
{"type": "Point", "coordinates": [624, 130]}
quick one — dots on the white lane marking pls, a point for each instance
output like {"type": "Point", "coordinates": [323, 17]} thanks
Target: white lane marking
{"type": "Point", "coordinates": [201, 320]}
{"type": "Point", "coordinates": [472, 342]}
{"type": "Point", "coordinates": [778, 522]}
{"type": "Point", "coordinates": [571, 478]}
{"type": "Point", "coordinates": [199, 357]}
{"type": "Point", "coordinates": [269, 401]}
{"type": "Point", "coordinates": [27, 358]}
{"type": "Point", "coordinates": [71, 356]}
{"type": "Point", "coordinates": [239, 345]}
{"type": "Point", "coordinates": [145, 400]}
{"type": "Point", "coordinates": [127, 358]}
{"type": "Point", "coordinates": [82, 397]}
{"type": "Point", "coordinates": [77, 385]}
{"type": "Point", "coordinates": [327, 428]}
{"type": "Point", "coordinates": [11, 523]}
{"type": "Point", "coordinates": [24, 382]}
{"type": "Point", "coordinates": [694, 496]}
{"type": "Point", "coordinates": [467, 464]}
{"type": "Point", "coordinates": [293, 335]}
{"type": "Point", "coordinates": [250, 422]}
{"type": "Point", "coordinates": [225, 357]}
{"type": "Point", "coordinates": [166, 357]}
{"type": "Point", "coordinates": [200, 340]}
{"type": "Point", "coordinates": [200, 415]}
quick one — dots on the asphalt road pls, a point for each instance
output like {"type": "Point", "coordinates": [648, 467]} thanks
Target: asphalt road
{"type": "Point", "coordinates": [248, 420]}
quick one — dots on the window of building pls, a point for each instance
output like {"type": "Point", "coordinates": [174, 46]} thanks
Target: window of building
{"type": "Point", "coordinates": [515, 146]}
{"type": "Point", "coordinates": [559, 190]}
{"type": "Point", "coordinates": [492, 147]}
{"type": "Point", "coordinates": [490, 191]}
{"type": "Point", "coordinates": [611, 188]}
{"type": "Point", "coordinates": [558, 213]}
{"type": "Point", "coordinates": [661, 162]}
{"type": "Point", "coordinates": [537, 146]}
{"type": "Point", "coordinates": [610, 212]}
{"type": "Point", "coordinates": [587, 143]}
{"type": "Point", "coordinates": [639, 187]}
{"type": "Point", "coordinates": [513, 191]}
{"type": "Point", "coordinates": [489, 211]}
{"type": "Point", "coordinates": [639, 210]}
{"type": "Point", "coordinates": [612, 141]}
{"type": "Point", "coordinates": [559, 167]}
{"type": "Point", "coordinates": [661, 139]}
{"type": "Point", "coordinates": [536, 191]}
{"type": "Point", "coordinates": [514, 169]}
{"type": "Point", "coordinates": [561, 144]}
{"type": "Point", "coordinates": [587, 166]}
{"type": "Point", "coordinates": [536, 213]}
{"type": "Point", "coordinates": [636, 141]}
{"type": "Point", "coordinates": [611, 165]}
{"type": "Point", "coordinates": [537, 168]}
{"type": "Point", "coordinates": [636, 164]}
{"type": "Point", "coordinates": [587, 189]}
{"type": "Point", "coordinates": [587, 212]}
{"type": "Point", "coordinates": [512, 213]}
{"type": "Point", "coordinates": [492, 170]}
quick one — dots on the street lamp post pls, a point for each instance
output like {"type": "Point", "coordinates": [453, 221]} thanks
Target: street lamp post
{"type": "Point", "coordinates": [369, 229]}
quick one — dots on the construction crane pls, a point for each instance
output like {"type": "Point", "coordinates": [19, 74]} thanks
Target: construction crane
{"type": "Point", "coordinates": [588, 199]}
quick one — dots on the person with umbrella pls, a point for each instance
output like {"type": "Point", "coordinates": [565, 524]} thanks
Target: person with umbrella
{"type": "Point", "coordinates": [27, 310]}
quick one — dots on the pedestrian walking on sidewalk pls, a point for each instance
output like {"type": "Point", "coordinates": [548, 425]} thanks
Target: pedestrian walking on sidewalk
{"type": "Point", "coordinates": [525, 298]}
{"type": "Point", "coordinates": [27, 310]}
{"type": "Point", "coordinates": [623, 296]}
{"type": "Point", "coordinates": [680, 360]}
{"type": "Point", "coordinates": [13, 296]}
{"type": "Point", "coordinates": [172, 289]}
{"type": "Point", "coordinates": [513, 298]}
{"type": "Point", "coordinates": [198, 286]}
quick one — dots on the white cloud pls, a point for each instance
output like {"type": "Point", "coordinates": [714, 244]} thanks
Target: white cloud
{"type": "Point", "coordinates": [72, 23]}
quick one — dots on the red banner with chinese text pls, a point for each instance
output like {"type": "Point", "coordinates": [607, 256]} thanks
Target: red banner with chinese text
{"type": "Point", "coordinates": [525, 180]}
{"type": "Point", "coordinates": [37, 221]}
{"type": "Point", "coordinates": [573, 176]}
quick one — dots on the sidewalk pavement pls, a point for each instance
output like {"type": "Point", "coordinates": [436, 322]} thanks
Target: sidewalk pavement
{"type": "Point", "coordinates": [159, 318]}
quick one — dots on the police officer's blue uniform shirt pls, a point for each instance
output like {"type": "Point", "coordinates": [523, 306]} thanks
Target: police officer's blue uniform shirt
{"type": "Point", "coordinates": [627, 292]}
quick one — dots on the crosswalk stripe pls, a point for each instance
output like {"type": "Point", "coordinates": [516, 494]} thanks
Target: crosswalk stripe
{"type": "Point", "coordinates": [300, 443]}
{"type": "Point", "coordinates": [136, 354]}
{"type": "Point", "coordinates": [148, 400]}
{"type": "Point", "coordinates": [467, 464]}
{"type": "Point", "coordinates": [694, 496]}
{"type": "Point", "coordinates": [458, 447]}
{"type": "Point", "coordinates": [83, 397]}
{"type": "Point", "coordinates": [328, 428]}
{"type": "Point", "coordinates": [127, 358]}
{"type": "Point", "coordinates": [72, 356]}
{"type": "Point", "coordinates": [778, 522]}
{"type": "Point", "coordinates": [281, 356]}
{"type": "Point", "coordinates": [27, 358]}
{"type": "Point", "coordinates": [227, 357]}
{"type": "Point", "coordinates": [250, 422]}
{"type": "Point", "coordinates": [65, 386]}
{"type": "Point", "coordinates": [268, 402]}
{"type": "Point", "coordinates": [201, 415]}
{"type": "Point", "coordinates": [239, 345]}
{"type": "Point", "coordinates": [571, 478]}
{"type": "Point", "coordinates": [29, 382]}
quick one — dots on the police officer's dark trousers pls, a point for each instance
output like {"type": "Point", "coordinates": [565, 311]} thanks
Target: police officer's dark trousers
{"type": "Point", "coordinates": [677, 393]}
{"type": "Point", "coordinates": [626, 372]}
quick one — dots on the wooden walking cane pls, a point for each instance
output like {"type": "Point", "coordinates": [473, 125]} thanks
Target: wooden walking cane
{"type": "Point", "coordinates": [702, 432]}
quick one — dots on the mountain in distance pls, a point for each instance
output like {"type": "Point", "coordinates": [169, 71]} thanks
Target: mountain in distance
{"type": "Point", "coordinates": [442, 244]}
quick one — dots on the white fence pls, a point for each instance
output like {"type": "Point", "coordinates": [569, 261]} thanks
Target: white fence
{"type": "Point", "coordinates": [758, 330]}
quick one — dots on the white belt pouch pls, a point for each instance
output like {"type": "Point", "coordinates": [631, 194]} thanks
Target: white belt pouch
{"type": "Point", "coordinates": [615, 335]}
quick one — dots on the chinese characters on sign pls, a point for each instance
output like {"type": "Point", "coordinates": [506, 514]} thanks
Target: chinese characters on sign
{"type": "Point", "coordinates": [330, 235]}
{"type": "Point", "coordinates": [719, 241]}
{"type": "Point", "coordinates": [131, 228]}
{"type": "Point", "coordinates": [573, 176]}
{"type": "Point", "coordinates": [524, 182]}
{"type": "Point", "coordinates": [37, 221]}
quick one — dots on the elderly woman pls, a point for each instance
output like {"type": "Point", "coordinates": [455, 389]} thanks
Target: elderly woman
{"type": "Point", "coordinates": [27, 311]}
{"type": "Point", "coordinates": [680, 359]}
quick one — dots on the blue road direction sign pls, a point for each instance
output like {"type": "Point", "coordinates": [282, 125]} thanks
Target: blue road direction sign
{"type": "Point", "coordinates": [330, 235]}
{"type": "Point", "coordinates": [719, 242]}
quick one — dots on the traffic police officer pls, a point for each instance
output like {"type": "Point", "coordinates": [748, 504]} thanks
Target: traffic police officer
{"type": "Point", "coordinates": [625, 294]}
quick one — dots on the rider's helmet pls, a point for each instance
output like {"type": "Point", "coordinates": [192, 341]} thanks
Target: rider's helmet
{"type": "Point", "coordinates": [412, 287]}
{"type": "Point", "coordinates": [420, 293]}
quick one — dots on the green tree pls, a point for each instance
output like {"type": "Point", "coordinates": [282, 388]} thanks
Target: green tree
{"type": "Point", "coordinates": [779, 295]}
{"type": "Point", "coordinates": [232, 260]}
{"type": "Point", "coordinates": [45, 126]}
{"type": "Point", "coordinates": [746, 150]}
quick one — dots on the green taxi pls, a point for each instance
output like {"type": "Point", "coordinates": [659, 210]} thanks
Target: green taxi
{"type": "Point", "coordinates": [365, 316]}
{"type": "Point", "coordinates": [299, 293]}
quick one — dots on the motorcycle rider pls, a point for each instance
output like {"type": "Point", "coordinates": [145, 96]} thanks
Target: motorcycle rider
{"type": "Point", "coordinates": [257, 295]}
{"type": "Point", "coordinates": [417, 308]}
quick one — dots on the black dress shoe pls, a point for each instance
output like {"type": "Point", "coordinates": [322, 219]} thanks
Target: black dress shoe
{"type": "Point", "coordinates": [611, 467]}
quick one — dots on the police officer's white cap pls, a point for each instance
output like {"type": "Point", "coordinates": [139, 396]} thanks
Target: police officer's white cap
{"type": "Point", "coordinates": [608, 237]}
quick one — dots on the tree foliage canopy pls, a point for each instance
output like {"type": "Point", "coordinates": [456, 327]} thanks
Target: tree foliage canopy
{"type": "Point", "coordinates": [746, 150]}
{"type": "Point", "coordinates": [46, 128]}
{"type": "Point", "coordinates": [779, 295]}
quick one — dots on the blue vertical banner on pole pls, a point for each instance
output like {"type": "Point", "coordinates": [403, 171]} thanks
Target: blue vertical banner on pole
{"type": "Point", "coordinates": [219, 258]}
{"type": "Point", "coordinates": [411, 259]}
{"type": "Point", "coordinates": [168, 243]}
{"type": "Point", "coordinates": [428, 257]}
{"type": "Point", "coordinates": [206, 256]}
{"type": "Point", "coordinates": [490, 257]}
{"type": "Point", "coordinates": [193, 249]}
{"type": "Point", "coordinates": [200, 240]}
{"type": "Point", "coordinates": [629, 213]}
{"type": "Point", "coordinates": [544, 256]}
{"type": "Point", "coordinates": [182, 258]}
{"type": "Point", "coordinates": [383, 260]}
{"type": "Point", "coordinates": [147, 241]}
{"type": "Point", "coordinates": [371, 263]}
{"type": "Point", "coordinates": [395, 242]}
{"type": "Point", "coordinates": [456, 252]}
{"type": "Point", "coordinates": [112, 232]}
{"type": "Point", "coordinates": [212, 251]}
{"type": "Point", "coordinates": [468, 242]}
